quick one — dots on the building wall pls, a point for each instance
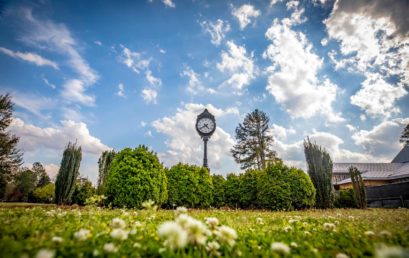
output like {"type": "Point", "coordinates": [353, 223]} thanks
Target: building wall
{"type": "Point", "coordinates": [367, 183]}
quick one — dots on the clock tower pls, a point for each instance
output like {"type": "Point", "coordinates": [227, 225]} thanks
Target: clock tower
{"type": "Point", "coordinates": [205, 126]}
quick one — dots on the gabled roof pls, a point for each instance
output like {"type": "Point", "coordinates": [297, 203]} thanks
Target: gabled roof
{"type": "Point", "coordinates": [403, 155]}
{"type": "Point", "coordinates": [343, 168]}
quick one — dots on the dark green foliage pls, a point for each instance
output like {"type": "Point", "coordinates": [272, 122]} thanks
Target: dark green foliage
{"type": "Point", "coordinates": [345, 199]}
{"type": "Point", "coordinates": [283, 188]}
{"type": "Point", "coordinates": [218, 190]}
{"type": "Point", "coordinates": [232, 191]}
{"type": "Point", "coordinates": [359, 187]}
{"type": "Point", "coordinates": [248, 188]}
{"type": "Point", "coordinates": [42, 177]}
{"type": "Point", "coordinates": [83, 190]}
{"type": "Point", "coordinates": [135, 176]}
{"type": "Point", "coordinates": [190, 186]}
{"type": "Point", "coordinates": [320, 170]}
{"type": "Point", "coordinates": [253, 148]}
{"type": "Point", "coordinates": [67, 174]}
{"type": "Point", "coordinates": [404, 138]}
{"type": "Point", "coordinates": [44, 194]}
{"type": "Point", "coordinates": [104, 163]}
{"type": "Point", "coordinates": [25, 183]}
{"type": "Point", "coordinates": [10, 156]}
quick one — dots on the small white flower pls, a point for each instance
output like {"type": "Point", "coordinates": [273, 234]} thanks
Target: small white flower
{"type": "Point", "coordinates": [341, 255]}
{"type": "Point", "coordinates": [351, 217]}
{"type": "Point", "coordinates": [280, 247]}
{"type": "Point", "coordinates": [119, 233]}
{"type": "Point", "coordinates": [383, 251]}
{"type": "Point", "coordinates": [213, 248]}
{"type": "Point", "coordinates": [227, 235]}
{"type": "Point", "coordinates": [118, 223]}
{"type": "Point", "coordinates": [307, 233]}
{"type": "Point", "coordinates": [369, 233]}
{"type": "Point", "coordinates": [149, 205]}
{"type": "Point", "coordinates": [259, 221]}
{"type": "Point", "coordinates": [138, 224]}
{"type": "Point", "coordinates": [385, 233]}
{"type": "Point", "coordinates": [110, 248]}
{"type": "Point", "coordinates": [329, 226]}
{"type": "Point", "coordinates": [137, 245]}
{"type": "Point", "coordinates": [95, 253]}
{"type": "Point", "coordinates": [305, 224]}
{"type": "Point", "coordinates": [197, 232]}
{"type": "Point", "coordinates": [173, 233]}
{"type": "Point", "coordinates": [292, 221]}
{"type": "Point", "coordinates": [133, 231]}
{"type": "Point", "coordinates": [45, 253]}
{"type": "Point", "coordinates": [82, 234]}
{"type": "Point", "coordinates": [212, 222]}
{"type": "Point", "coordinates": [294, 244]}
{"type": "Point", "coordinates": [287, 229]}
{"type": "Point", "coordinates": [181, 210]}
{"type": "Point", "coordinates": [57, 239]}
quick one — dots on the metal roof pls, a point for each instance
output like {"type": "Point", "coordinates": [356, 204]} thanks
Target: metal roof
{"type": "Point", "coordinates": [403, 155]}
{"type": "Point", "coordinates": [342, 168]}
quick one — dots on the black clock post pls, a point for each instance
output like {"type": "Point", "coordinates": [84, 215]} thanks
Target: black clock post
{"type": "Point", "coordinates": [205, 126]}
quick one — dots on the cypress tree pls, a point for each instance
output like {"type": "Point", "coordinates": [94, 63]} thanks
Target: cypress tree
{"type": "Point", "coordinates": [104, 163]}
{"type": "Point", "coordinates": [67, 174]}
{"type": "Point", "coordinates": [358, 187]}
{"type": "Point", "coordinates": [320, 171]}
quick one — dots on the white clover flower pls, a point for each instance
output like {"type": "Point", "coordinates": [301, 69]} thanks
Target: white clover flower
{"type": "Point", "coordinates": [259, 221]}
{"type": "Point", "coordinates": [197, 231]}
{"type": "Point", "coordinates": [45, 253]}
{"type": "Point", "coordinates": [138, 224]}
{"type": "Point", "coordinates": [227, 235]}
{"type": "Point", "coordinates": [137, 245]}
{"type": "Point", "coordinates": [213, 248]}
{"type": "Point", "coordinates": [183, 220]}
{"type": "Point", "coordinates": [307, 233]}
{"type": "Point", "coordinates": [383, 251]}
{"type": "Point", "coordinates": [181, 210]}
{"type": "Point", "coordinates": [329, 226]}
{"type": "Point", "coordinates": [57, 239]}
{"type": "Point", "coordinates": [118, 223]}
{"type": "Point", "coordinates": [95, 253]}
{"type": "Point", "coordinates": [292, 221]}
{"type": "Point", "coordinates": [369, 233]}
{"type": "Point", "coordinates": [149, 205]}
{"type": "Point", "coordinates": [294, 244]}
{"type": "Point", "coordinates": [385, 233]}
{"type": "Point", "coordinates": [212, 222]}
{"type": "Point", "coordinates": [133, 231]}
{"type": "Point", "coordinates": [173, 233]}
{"type": "Point", "coordinates": [82, 234]}
{"type": "Point", "coordinates": [305, 224]}
{"type": "Point", "coordinates": [110, 248]}
{"type": "Point", "coordinates": [351, 217]}
{"type": "Point", "coordinates": [119, 233]}
{"type": "Point", "coordinates": [280, 247]}
{"type": "Point", "coordinates": [341, 255]}
{"type": "Point", "coordinates": [287, 229]}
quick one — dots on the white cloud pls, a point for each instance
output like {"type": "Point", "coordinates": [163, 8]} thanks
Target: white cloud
{"type": "Point", "coordinates": [280, 132]}
{"type": "Point", "coordinates": [244, 14]}
{"type": "Point", "coordinates": [55, 138]}
{"type": "Point", "coordinates": [149, 95]}
{"type": "Point", "coordinates": [162, 51]}
{"type": "Point", "coordinates": [74, 91]}
{"type": "Point", "coordinates": [153, 81]}
{"type": "Point", "coordinates": [97, 42]}
{"type": "Point", "coordinates": [324, 42]}
{"type": "Point", "coordinates": [293, 77]}
{"type": "Point", "coordinates": [52, 170]}
{"type": "Point", "coordinates": [383, 139]}
{"type": "Point", "coordinates": [377, 97]}
{"type": "Point", "coordinates": [30, 57]}
{"type": "Point", "coordinates": [51, 85]}
{"type": "Point", "coordinates": [195, 86]}
{"type": "Point", "coordinates": [121, 90]}
{"type": "Point", "coordinates": [134, 60]}
{"type": "Point", "coordinates": [185, 145]}
{"type": "Point", "coordinates": [217, 30]}
{"type": "Point", "coordinates": [33, 103]}
{"type": "Point", "coordinates": [169, 3]}
{"type": "Point", "coordinates": [239, 65]}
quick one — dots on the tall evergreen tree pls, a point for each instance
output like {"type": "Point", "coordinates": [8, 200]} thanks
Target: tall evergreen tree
{"type": "Point", "coordinates": [404, 138]}
{"type": "Point", "coordinates": [320, 171]}
{"type": "Point", "coordinates": [10, 156]}
{"type": "Point", "coordinates": [358, 187]}
{"type": "Point", "coordinates": [254, 144]}
{"type": "Point", "coordinates": [67, 174]}
{"type": "Point", "coordinates": [41, 175]}
{"type": "Point", "coordinates": [104, 163]}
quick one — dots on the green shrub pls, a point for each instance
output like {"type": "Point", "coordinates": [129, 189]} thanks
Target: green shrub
{"type": "Point", "coordinates": [232, 191]}
{"type": "Point", "coordinates": [135, 176]}
{"type": "Point", "coordinates": [218, 190]}
{"type": "Point", "coordinates": [190, 186]}
{"type": "Point", "coordinates": [44, 194]}
{"type": "Point", "coordinates": [345, 199]}
{"type": "Point", "coordinates": [83, 190]}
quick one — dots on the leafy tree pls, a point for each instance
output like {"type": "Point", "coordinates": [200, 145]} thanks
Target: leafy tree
{"type": "Point", "coordinates": [135, 176]}
{"type": "Point", "coordinates": [253, 148]}
{"type": "Point", "coordinates": [42, 176]}
{"type": "Point", "coordinates": [248, 189]}
{"type": "Point", "coordinates": [404, 138]}
{"type": "Point", "coordinates": [345, 199]}
{"type": "Point", "coordinates": [320, 171]}
{"type": "Point", "coordinates": [67, 174]}
{"type": "Point", "coordinates": [44, 194]}
{"type": "Point", "coordinates": [104, 163]}
{"type": "Point", "coordinates": [83, 191]}
{"type": "Point", "coordinates": [10, 156]}
{"type": "Point", "coordinates": [218, 190]}
{"type": "Point", "coordinates": [232, 190]}
{"type": "Point", "coordinates": [358, 186]}
{"type": "Point", "coordinates": [25, 183]}
{"type": "Point", "coordinates": [190, 186]}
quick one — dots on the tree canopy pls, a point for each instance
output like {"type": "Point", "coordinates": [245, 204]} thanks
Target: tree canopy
{"type": "Point", "coordinates": [404, 138]}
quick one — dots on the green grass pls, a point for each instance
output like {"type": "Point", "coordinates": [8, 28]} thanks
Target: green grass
{"type": "Point", "coordinates": [26, 230]}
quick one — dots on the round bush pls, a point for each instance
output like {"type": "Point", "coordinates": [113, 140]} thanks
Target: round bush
{"type": "Point", "coordinates": [135, 176]}
{"type": "Point", "coordinates": [190, 186]}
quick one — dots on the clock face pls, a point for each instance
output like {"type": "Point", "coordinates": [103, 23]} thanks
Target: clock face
{"type": "Point", "coordinates": [205, 125]}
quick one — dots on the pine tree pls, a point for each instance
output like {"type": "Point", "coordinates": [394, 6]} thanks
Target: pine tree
{"type": "Point", "coordinates": [104, 163]}
{"type": "Point", "coordinates": [41, 175]}
{"type": "Point", "coordinates": [320, 171]}
{"type": "Point", "coordinates": [67, 174]}
{"type": "Point", "coordinates": [358, 187]}
{"type": "Point", "coordinates": [10, 156]}
{"type": "Point", "coordinates": [404, 138]}
{"type": "Point", "coordinates": [253, 148]}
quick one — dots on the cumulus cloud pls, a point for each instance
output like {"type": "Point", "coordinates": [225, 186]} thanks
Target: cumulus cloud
{"type": "Point", "coordinates": [244, 14]}
{"type": "Point", "coordinates": [33, 103]}
{"type": "Point", "coordinates": [30, 57]}
{"type": "Point", "coordinates": [121, 90]}
{"type": "Point", "coordinates": [74, 91]}
{"type": "Point", "coordinates": [149, 95]}
{"type": "Point", "coordinates": [195, 86]}
{"type": "Point", "coordinates": [153, 81]}
{"type": "Point", "coordinates": [185, 145]}
{"type": "Point", "coordinates": [239, 65]}
{"type": "Point", "coordinates": [217, 30]}
{"type": "Point", "coordinates": [292, 77]}
{"type": "Point", "coordinates": [55, 138]}
{"type": "Point", "coordinates": [169, 3]}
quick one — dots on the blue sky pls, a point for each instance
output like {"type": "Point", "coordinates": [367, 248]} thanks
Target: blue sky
{"type": "Point", "coordinates": [115, 75]}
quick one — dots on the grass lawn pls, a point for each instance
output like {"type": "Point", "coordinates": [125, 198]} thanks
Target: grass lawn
{"type": "Point", "coordinates": [48, 230]}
